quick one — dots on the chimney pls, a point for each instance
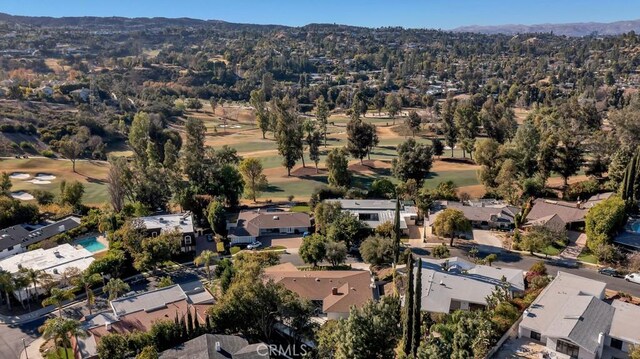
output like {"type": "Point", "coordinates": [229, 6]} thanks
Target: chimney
{"type": "Point", "coordinates": [601, 338]}
{"type": "Point", "coordinates": [218, 347]}
{"type": "Point", "coordinates": [578, 204]}
{"type": "Point", "coordinates": [334, 290]}
{"type": "Point", "coordinates": [441, 282]}
{"type": "Point", "coordinates": [107, 326]}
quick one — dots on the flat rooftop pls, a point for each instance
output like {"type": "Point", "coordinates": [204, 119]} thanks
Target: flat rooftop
{"type": "Point", "coordinates": [53, 260]}
{"type": "Point", "coordinates": [169, 222]}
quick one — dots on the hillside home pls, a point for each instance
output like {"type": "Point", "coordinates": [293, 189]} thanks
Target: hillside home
{"type": "Point", "coordinates": [333, 292]}
{"type": "Point", "coordinates": [181, 222]}
{"type": "Point", "coordinates": [253, 224]}
{"type": "Point", "coordinates": [16, 239]}
{"type": "Point", "coordinates": [571, 319]}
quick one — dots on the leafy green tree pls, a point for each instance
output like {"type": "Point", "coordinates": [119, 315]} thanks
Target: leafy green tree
{"type": "Point", "coordinates": [263, 116]}
{"type": "Point", "coordinates": [193, 151]}
{"type": "Point", "coordinates": [338, 167]}
{"type": "Point", "coordinates": [116, 287]}
{"type": "Point", "coordinates": [165, 281]}
{"type": "Point", "coordinates": [463, 334]}
{"type": "Point", "coordinates": [450, 222]}
{"type": "Point", "coordinates": [217, 217]}
{"type": "Point", "coordinates": [488, 157]}
{"type": "Point", "coordinates": [313, 141]}
{"type": "Point", "coordinates": [378, 101]}
{"type": "Point", "coordinates": [157, 250]}
{"type": "Point", "coordinates": [5, 183]}
{"type": "Point", "coordinates": [324, 214]}
{"type": "Point", "coordinates": [437, 147]}
{"type": "Point", "coordinates": [113, 345]}
{"type": "Point", "coordinates": [72, 148]}
{"type": "Point", "coordinates": [507, 181]}
{"type": "Point", "coordinates": [538, 238]}
{"type": "Point", "coordinates": [60, 330]}
{"type": "Point", "coordinates": [466, 122]}
{"type": "Point", "coordinates": [413, 162]}
{"type": "Point", "coordinates": [603, 221]}
{"type": "Point", "coordinates": [386, 229]}
{"type": "Point", "coordinates": [322, 114]}
{"type": "Point", "coordinates": [527, 147]}
{"type": "Point", "coordinates": [448, 124]}
{"type": "Point", "coordinates": [313, 249]}
{"type": "Point", "coordinates": [6, 285]}
{"type": "Point", "coordinates": [361, 138]}
{"type": "Point", "coordinates": [288, 133]}
{"type": "Point", "coordinates": [393, 106]}
{"type": "Point", "coordinates": [254, 178]}
{"type": "Point", "coordinates": [382, 188]}
{"type": "Point", "coordinates": [377, 250]}
{"type": "Point", "coordinates": [441, 251]}
{"type": "Point", "coordinates": [413, 122]}
{"type": "Point", "coordinates": [491, 258]}
{"type": "Point", "coordinates": [345, 228]}
{"type": "Point", "coordinates": [57, 297]}
{"type": "Point", "coordinates": [148, 352]}
{"type": "Point", "coordinates": [71, 193]}
{"type": "Point", "coordinates": [336, 253]}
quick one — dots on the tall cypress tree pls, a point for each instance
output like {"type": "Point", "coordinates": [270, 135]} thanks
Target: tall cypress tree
{"type": "Point", "coordinates": [396, 232]}
{"type": "Point", "coordinates": [417, 310]}
{"type": "Point", "coordinates": [407, 312]}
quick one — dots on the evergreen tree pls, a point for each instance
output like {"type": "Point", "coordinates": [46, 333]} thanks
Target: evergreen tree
{"type": "Point", "coordinates": [396, 232]}
{"type": "Point", "coordinates": [407, 309]}
{"type": "Point", "coordinates": [288, 133]}
{"type": "Point", "coordinates": [417, 310]}
{"type": "Point", "coordinates": [322, 114]}
{"type": "Point", "coordinates": [189, 324]}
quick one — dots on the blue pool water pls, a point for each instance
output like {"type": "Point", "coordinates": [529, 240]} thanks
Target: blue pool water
{"type": "Point", "coordinates": [91, 244]}
{"type": "Point", "coordinates": [635, 226]}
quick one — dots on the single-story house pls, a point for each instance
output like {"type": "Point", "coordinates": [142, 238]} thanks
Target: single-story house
{"type": "Point", "coordinates": [16, 239]}
{"type": "Point", "coordinates": [375, 212]}
{"type": "Point", "coordinates": [570, 213]}
{"type": "Point", "coordinates": [217, 346]}
{"type": "Point", "coordinates": [334, 292]}
{"type": "Point", "coordinates": [182, 222]}
{"type": "Point", "coordinates": [481, 214]}
{"type": "Point", "coordinates": [252, 224]}
{"type": "Point", "coordinates": [139, 312]}
{"type": "Point", "coordinates": [53, 261]}
{"type": "Point", "coordinates": [455, 284]}
{"type": "Point", "coordinates": [571, 319]}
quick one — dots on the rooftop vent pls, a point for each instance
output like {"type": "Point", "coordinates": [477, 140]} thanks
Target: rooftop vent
{"type": "Point", "coordinates": [317, 279]}
{"type": "Point", "coordinates": [441, 282]}
{"type": "Point", "coordinates": [218, 347]}
{"type": "Point", "coordinates": [275, 218]}
{"type": "Point", "coordinates": [107, 325]}
{"type": "Point", "coordinates": [334, 290]}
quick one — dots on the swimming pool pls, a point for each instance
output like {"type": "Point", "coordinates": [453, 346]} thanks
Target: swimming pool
{"type": "Point", "coordinates": [634, 226]}
{"type": "Point", "coordinates": [91, 244]}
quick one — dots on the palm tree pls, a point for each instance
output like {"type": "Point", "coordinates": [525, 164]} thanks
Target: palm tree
{"type": "Point", "coordinates": [33, 278]}
{"type": "Point", "coordinates": [84, 282]}
{"type": "Point", "coordinates": [116, 287]}
{"type": "Point", "coordinates": [6, 285]}
{"type": "Point", "coordinates": [206, 258]}
{"type": "Point", "coordinates": [19, 283]}
{"type": "Point", "coordinates": [61, 330]}
{"type": "Point", "coordinates": [57, 298]}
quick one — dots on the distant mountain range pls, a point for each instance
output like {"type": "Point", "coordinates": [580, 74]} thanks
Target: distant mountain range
{"type": "Point", "coordinates": [572, 29]}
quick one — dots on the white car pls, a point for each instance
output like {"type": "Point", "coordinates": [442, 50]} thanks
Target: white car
{"type": "Point", "coordinates": [633, 277]}
{"type": "Point", "coordinates": [254, 245]}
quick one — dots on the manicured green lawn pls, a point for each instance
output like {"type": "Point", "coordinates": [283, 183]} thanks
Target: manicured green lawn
{"type": "Point", "coordinates": [587, 256]}
{"type": "Point", "coordinates": [302, 208]}
{"type": "Point", "coordinates": [60, 354]}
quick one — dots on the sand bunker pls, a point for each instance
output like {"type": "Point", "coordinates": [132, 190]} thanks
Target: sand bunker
{"type": "Point", "coordinates": [19, 175]}
{"type": "Point", "coordinates": [45, 177]}
{"type": "Point", "coordinates": [21, 195]}
{"type": "Point", "coordinates": [38, 181]}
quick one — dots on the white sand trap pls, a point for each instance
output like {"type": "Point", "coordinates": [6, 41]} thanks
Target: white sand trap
{"type": "Point", "coordinates": [38, 181]}
{"type": "Point", "coordinates": [19, 175]}
{"type": "Point", "coordinates": [45, 177]}
{"type": "Point", "coordinates": [21, 195]}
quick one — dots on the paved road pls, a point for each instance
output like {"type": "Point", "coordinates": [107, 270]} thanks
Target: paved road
{"type": "Point", "coordinates": [11, 338]}
{"type": "Point", "coordinates": [524, 262]}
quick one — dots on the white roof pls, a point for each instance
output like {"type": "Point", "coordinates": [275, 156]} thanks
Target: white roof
{"type": "Point", "coordinates": [626, 322]}
{"type": "Point", "coordinates": [53, 260]}
{"type": "Point", "coordinates": [169, 222]}
{"type": "Point", "coordinates": [148, 301]}
{"type": "Point", "coordinates": [464, 281]}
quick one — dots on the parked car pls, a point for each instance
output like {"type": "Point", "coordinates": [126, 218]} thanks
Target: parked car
{"type": "Point", "coordinates": [566, 263]}
{"type": "Point", "coordinates": [612, 272]}
{"type": "Point", "coordinates": [306, 234]}
{"type": "Point", "coordinates": [254, 245]}
{"type": "Point", "coordinates": [633, 277]}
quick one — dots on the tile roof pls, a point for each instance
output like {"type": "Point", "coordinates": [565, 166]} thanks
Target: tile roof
{"type": "Point", "coordinates": [569, 212]}
{"type": "Point", "coordinates": [353, 287]}
{"type": "Point", "coordinates": [251, 222]}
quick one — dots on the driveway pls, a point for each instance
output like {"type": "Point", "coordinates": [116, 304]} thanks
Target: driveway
{"type": "Point", "coordinates": [487, 241]}
{"type": "Point", "coordinates": [289, 242]}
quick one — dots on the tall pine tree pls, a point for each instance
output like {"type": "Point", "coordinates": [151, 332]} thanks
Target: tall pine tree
{"type": "Point", "coordinates": [407, 312]}
{"type": "Point", "coordinates": [396, 232]}
{"type": "Point", "coordinates": [417, 310]}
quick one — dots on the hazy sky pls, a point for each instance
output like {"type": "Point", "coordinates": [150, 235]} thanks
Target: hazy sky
{"type": "Point", "coordinates": [444, 14]}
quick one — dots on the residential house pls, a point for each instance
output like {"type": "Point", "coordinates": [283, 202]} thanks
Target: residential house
{"type": "Point", "coordinates": [375, 212]}
{"type": "Point", "coordinates": [217, 346]}
{"type": "Point", "coordinates": [252, 224]}
{"type": "Point", "coordinates": [16, 239]}
{"type": "Point", "coordinates": [481, 214]}
{"type": "Point", "coordinates": [572, 320]}
{"type": "Point", "coordinates": [455, 284]}
{"type": "Point", "coordinates": [181, 222]}
{"type": "Point", "coordinates": [334, 292]}
{"type": "Point", "coordinates": [139, 312]}
{"type": "Point", "coordinates": [569, 214]}
{"type": "Point", "coordinates": [53, 261]}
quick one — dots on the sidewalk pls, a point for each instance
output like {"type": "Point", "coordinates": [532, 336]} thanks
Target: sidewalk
{"type": "Point", "coordinates": [576, 245]}
{"type": "Point", "coordinates": [33, 350]}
